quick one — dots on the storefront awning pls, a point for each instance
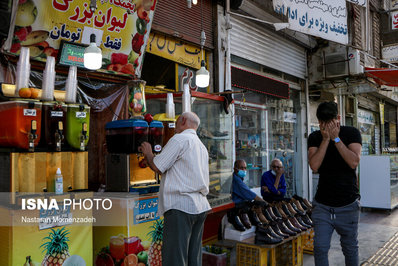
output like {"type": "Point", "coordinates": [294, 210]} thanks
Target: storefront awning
{"type": "Point", "coordinates": [383, 76]}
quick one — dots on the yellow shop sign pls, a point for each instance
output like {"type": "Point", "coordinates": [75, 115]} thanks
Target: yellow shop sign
{"type": "Point", "coordinates": [174, 50]}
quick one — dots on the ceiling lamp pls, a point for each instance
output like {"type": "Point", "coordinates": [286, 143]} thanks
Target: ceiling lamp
{"type": "Point", "coordinates": [202, 75]}
{"type": "Point", "coordinates": [92, 55]}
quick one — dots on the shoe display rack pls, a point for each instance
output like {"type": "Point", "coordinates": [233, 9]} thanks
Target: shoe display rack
{"type": "Point", "coordinates": [288, 252]}
{"type": "Point", "coordinates": [307, 241]}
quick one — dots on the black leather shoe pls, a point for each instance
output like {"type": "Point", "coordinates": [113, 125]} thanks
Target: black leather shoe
{"type": "Point", "coordinates": [295, 223]}
{"type": "Point", "coordinates": [254, 220]}
{"type": "Point", "coordinates": [297, 209]}
{"type": "Point", "coordinates": [292, 227]}
{"type": "Point", "coordinates": [307, 220]}
{"type": "Point", "coordinates": [267, 215]}
{"type": "Point", "coordinates": [265, 239]}
{"type": "Point", "coordinates": [236, 222]}
{"type": "Point", "coordinates": [302, 223]}
{"type": "Point", "coordinates": [286, 210]}
{"type": "Point", "coordinates": [286, 230]}
{"type": "Point", "coordinates": [276, 229]}
{"type": "Point", "coordinates": [245, 220]}
{"type": "Point", "coordinates": [268, 230]}
{"type": "Point", "coordinates": [276, 212]}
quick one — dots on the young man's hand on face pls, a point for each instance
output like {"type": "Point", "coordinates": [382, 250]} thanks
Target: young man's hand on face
{"type": "Point", "coordinates": [324, 130]}
{"type": "Point", "coordinates": [333, 128]}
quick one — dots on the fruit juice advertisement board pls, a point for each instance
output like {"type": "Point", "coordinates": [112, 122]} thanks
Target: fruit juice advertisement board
{"type": "Point", "coordinates": [135, 238]}
{"type": "Point", "coordinates": [45, 237]}
{"type": "Point", "coordinates": [121, 28]}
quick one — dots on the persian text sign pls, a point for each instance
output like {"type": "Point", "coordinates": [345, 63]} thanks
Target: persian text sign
{"type": "Point", "coordinates": [121, 27]}
{"type": "Point", "coordinates": [177, 51]}
{"type": "Point", "coordinates": [390, 53]}
{"type": "Point", "coordinates": [325, 18]}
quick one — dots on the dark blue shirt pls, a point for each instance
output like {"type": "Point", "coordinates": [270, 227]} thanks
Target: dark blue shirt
{"type": "Point", "coordinates": [268, 180]}
{"type": "Point", "coordinates": [240, 191]}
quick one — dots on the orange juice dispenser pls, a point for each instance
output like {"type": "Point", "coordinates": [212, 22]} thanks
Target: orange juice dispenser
{"type": "Point", "coordinates": [53, 125]}
{"type": "Point", "coordinates": [20, 124]}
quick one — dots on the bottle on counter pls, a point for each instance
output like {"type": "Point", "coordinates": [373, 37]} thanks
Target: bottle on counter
{"type": "Point", "coordinates": [59, 183]}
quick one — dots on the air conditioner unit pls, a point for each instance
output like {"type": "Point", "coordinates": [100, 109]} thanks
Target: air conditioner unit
{"type": "Point", "coordinates": [354, 62]}
{"type": "Point", "coordinates": [342, 64]}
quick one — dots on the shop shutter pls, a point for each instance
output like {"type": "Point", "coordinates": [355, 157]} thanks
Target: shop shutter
{"type": "Point", "coordinates": [264, 47]}
{"type": "Point", "coordinates": [173, 17]}
{"type": "Point", "coordinates": [247, 80]}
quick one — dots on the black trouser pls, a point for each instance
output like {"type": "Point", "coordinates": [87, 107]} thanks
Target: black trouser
{"type": "Point", "coordinates": [182, 238]}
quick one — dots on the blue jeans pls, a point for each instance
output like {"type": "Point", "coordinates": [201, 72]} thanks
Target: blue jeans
{"type": "Point", "coordinates": [182, 238]}
{"type": "Point", "coordinates": [342, 219]}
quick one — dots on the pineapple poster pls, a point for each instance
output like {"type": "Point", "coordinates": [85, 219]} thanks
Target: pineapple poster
{"type": "Point", "coordinates": [121, 28]}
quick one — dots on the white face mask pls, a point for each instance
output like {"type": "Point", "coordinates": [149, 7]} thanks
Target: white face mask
{"type": "Point", "coordinates": [273, 172]}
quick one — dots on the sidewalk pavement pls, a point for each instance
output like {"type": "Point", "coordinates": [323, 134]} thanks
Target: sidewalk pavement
{"type": "Point", "coordinates": [375, 228]}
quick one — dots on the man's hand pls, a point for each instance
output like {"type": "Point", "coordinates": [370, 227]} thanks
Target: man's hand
{"type": "Point", "coordinates": [324, 131]}
{"type": "Point", "coordinates": [146, 149]}
{"type": "Point", "coordinates": [279, 172]}
{"type": "Point", "coordinates": [265, 189]}
{"type": "Point", "coordinates": [333, 128]}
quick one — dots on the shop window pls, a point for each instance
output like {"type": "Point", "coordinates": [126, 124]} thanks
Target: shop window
{"type": "Point", "coordinates": [158, 71]}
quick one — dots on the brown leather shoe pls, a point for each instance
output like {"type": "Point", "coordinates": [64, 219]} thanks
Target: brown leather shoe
{"type": "Point", "coordinates": [284, 216]}
{"type": "Point", "coordinates": [292, 211]}
{"type": "Point", "coordinates": [273, 216]}
{"type": "Point", "coordinates": [296, 224]}
{"type": "Point", "coordinates": [245, 220]}
{"type": "Point", "coordinates": [298, 205]}
{"type": "Point", "coordinates": [260, 215]}
{"type": "Point", "coordinates": [307, 203]}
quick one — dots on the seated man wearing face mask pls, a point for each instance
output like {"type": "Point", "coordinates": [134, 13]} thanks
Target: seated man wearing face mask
{"type": "Point", "coordinates": [241, 193]}
{"type": "Point", "coordinates": [273, 185]}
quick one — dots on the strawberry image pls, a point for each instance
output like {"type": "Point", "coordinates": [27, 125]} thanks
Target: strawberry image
{"type": "Point", "coordinates": [128, 69]}
{"type": "Point", "coordinates": [119, 58]}
{"type": "Point", "coordinates": [137, 42]}
{"type": "Point", "coordinates": [115, 67]}
{"type": "Point", "coordinates": [16, 46]}
{"type": "Point", "coordinates": [21, 34]}
{"type": "Point", "coordinates": [29, 29]}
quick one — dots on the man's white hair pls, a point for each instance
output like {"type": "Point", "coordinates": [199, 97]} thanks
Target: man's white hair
{"type": "Point", "coordinates": [192, 119]}
{"type": "Point", "coordinates": [276, 160]}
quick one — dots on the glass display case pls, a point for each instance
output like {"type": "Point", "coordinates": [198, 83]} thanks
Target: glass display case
{"type": "Point", "coordinates": [378, 177]}
{"type": "Point", "coordinates": [215, 131]}
{"type": "Point", "coordinates": [266, 128]}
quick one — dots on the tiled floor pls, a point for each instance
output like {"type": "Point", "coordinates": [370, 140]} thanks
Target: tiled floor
{"type": "Point", "coordinates": [375, 229]}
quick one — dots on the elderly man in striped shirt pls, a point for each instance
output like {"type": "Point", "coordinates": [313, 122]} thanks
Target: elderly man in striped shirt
{"type": "Point", "coordinates": [184, 167]}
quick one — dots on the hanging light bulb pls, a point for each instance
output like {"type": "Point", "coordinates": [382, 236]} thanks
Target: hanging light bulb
{"type": "Point", "coordinates": [202, 76]}
{"type": "Point", "coordinates": [92, 55]}
{"type": "Point", "coordinates": [194, 2]}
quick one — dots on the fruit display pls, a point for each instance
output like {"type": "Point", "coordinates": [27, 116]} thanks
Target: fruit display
{"type": "Point", "coordinates": [56, 248]}
{"type": "Point", "coordinates": [137, 104]}
{"type": "Point", "coordinates": [32, 93]}
{"type": "Point", "coordinates": [123, 251]}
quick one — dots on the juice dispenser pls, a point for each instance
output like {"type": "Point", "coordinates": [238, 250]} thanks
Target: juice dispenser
{"type": "Point", "coordinates": [20, 124]}
{"type": "Point", "coordinates": [156, 131]}
{"type": "Point", "coordinates": [169, 126]}
{"type": "Point", "coordinates": [125, 136]}
{"type": "Point", "coordinates": [53, 125]}
{"type": "Point", "coordinates": [77, 125]}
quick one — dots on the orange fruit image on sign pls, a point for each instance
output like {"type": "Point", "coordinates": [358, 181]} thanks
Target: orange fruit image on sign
{"type": "Point", "coordinates": [138, 95]}
{"type": "Point", "coordinates": [131, 260]}
{"type": "Point", "coordinates": [25, 92]}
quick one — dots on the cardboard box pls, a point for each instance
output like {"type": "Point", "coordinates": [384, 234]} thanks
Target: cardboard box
{"type": "Point", "coordinates": [232, 234]}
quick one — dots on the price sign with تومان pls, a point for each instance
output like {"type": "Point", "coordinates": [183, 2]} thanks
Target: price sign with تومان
{"type": "Point", "coordinates": [72, 54]}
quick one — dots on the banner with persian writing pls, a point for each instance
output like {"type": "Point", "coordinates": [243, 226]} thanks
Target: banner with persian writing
{"type": "Point", "coordinates": [121, 27]}
{"type": "Point", "coordinates": [324, 18]}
